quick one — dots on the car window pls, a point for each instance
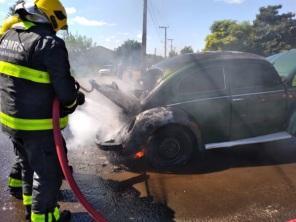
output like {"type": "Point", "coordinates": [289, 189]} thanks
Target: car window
{"type": "Point", "coordinates": [202, 79]}
{"type": "Point", "coordinates": [250, 75]}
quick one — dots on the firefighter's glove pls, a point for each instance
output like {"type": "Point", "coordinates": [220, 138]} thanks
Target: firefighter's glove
{"type": "Point", "coordinates": [80, 98]}
{"type": "Point", "coordinates": [68, 110]}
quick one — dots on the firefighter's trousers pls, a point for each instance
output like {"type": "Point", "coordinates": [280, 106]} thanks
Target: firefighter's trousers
{"type": "Point", "coordinates": [41, 173]}
{"type": "Point", "coordinates": [21, 177]}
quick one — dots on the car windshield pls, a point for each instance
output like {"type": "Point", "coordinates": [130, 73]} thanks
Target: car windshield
{"type": "Point", "coordinates": [172, 65]}
{"type": "Point", "coordinates": [162, 71]}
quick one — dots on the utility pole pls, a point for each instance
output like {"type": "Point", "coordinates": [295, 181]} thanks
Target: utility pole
{"type": "Point", "coordinates": [144, 35]}
{"type": "Point", "coordinates": [165, 39]}
{"type": "Point", "coordinates": [171, 40]}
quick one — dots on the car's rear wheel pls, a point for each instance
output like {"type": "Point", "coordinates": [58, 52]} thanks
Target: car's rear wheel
{"type": "Point", "coordinates": [170, 147]}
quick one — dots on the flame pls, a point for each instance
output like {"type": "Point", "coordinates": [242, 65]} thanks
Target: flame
{"type": "Point", "coordinates": [140, 154]}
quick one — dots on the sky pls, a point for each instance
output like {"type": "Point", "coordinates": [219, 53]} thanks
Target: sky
{"type": "Point", "coordinates": [110, 22]}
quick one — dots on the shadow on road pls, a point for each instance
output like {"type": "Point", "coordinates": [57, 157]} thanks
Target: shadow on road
{"type": "Point", "coordinates": [266, 154]}
{"type": "Point", "coordinates": [118, 201]}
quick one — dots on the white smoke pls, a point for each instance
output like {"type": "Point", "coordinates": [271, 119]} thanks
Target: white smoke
{"type": "Point", "coordinates": [98, 116]}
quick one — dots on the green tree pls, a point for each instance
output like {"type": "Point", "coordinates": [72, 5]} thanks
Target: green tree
{"type": "Point", "coordinates": [129, 52]}
{"type": "Point", "coordinates": [186, 49]}
{"type": "Point", "coordinates": [78, 43]}
{"type": "Point", "coordinates": [84, 54]}
{"type": "Point", "coordinates": [128, 47]}
{"type": "Point", "coordinates": [274, 32]}
{"type": "Point", "coordinates": [270, 33]}
{"type": "Point", "coordinates": [230, 35]}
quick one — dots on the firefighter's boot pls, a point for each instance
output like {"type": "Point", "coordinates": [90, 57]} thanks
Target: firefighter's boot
{"type": "Point", "coordinates": [15, 187]}
{"type": "Point", "coordinates": [28, 213]}
{"type": "Point", "coordinates": [16, 192]}
{"type": "Point", "coordinates": [65, 216]}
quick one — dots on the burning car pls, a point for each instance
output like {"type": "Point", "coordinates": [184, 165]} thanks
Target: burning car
{"type": "Point", "coordinates": [196, 102]}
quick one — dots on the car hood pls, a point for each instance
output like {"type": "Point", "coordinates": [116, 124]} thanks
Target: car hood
{"type": "Point", "coordinates": [284, 62]}
{"type": "Point", "coordinates": [129, 104]}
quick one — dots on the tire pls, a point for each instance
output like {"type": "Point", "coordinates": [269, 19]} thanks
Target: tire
{"type": "Point", "coordinates": [170, 147]}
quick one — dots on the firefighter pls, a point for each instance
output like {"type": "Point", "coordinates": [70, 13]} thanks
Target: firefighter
{"type": "Point", "coordinates": [34, 69]}
{"type": "Point", "coordinates": [15, 177]}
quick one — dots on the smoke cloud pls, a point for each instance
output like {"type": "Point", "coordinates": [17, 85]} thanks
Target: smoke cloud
{"type": "Point", "coordinates": [99, 117]}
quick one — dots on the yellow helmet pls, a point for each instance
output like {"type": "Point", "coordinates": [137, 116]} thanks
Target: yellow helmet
{"type": "Point", "coordinates": [55, 12]}
{"type": "Point", "coordinates": [8, 23]}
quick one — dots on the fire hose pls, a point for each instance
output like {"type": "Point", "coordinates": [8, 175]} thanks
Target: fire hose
{"type": "Point", "coordinates": [97, 216]}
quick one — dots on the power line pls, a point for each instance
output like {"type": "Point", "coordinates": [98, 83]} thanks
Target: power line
{"type": "Point", "coordinates": [156, 11]}
{"type": "Point", "coordinates": [154, 22]}
{"type": "Point", "coordinates": [153, 12]}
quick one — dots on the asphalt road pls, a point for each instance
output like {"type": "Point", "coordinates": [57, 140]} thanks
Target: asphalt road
{"type": "Point", "coordinates": [248, 183]}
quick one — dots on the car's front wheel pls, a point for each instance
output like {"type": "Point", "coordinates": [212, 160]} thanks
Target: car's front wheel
{"type": "Point", "coordinates": [169, 147]}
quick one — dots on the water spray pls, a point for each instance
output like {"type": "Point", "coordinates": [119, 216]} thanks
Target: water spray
{"type": "Point", "coordinates": [87, 90]}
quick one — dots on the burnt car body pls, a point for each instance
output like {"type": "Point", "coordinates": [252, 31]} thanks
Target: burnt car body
{"type": "Point", "coordinates": [205, 101]}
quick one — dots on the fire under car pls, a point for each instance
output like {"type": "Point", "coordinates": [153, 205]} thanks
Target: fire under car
{"type": "Point", "coordinates": [196, 102]}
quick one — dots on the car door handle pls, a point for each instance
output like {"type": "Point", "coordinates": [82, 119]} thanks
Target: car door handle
{"type": "Point", "coordinates": [237, 99]}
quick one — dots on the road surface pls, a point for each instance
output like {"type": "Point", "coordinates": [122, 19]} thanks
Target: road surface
{"type": "Point", "coordinates": [247, 183]}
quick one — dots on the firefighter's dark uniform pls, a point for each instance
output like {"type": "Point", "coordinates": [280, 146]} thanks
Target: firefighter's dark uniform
{"type": "Point", "coordinates": [34, 69]}
{"type": "Point", "coordinates": [15, 177]}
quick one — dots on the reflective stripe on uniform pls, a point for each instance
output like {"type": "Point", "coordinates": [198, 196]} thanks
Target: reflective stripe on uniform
{"type": "Point", "coordinates": [30, 124]}
{"type": "Point", "coordinates": [15, 183]}
{"type": "Point", "coordinates": [23, 72]}
{"type": "Point", "coordinates": [24, 24]}
{"type": "Point", "coordinates": [51, 217]}
{"type": "Point", "coordinates": [27, 200]}
{"type": "Point", "coordinates": [40, 217]}
{"type": "Point", "coordinates": [56, 214]}
{"type": "Point", "coordinates": [72, 105]}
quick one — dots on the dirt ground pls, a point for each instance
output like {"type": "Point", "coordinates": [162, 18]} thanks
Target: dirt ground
{"type": "Point", "coordinates": [247, 183]}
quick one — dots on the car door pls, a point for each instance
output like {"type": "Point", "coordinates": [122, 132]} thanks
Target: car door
{"type": "Point", "coordinates": [203, 92]}
{"type": "Point", "coordinates": [258, 99]}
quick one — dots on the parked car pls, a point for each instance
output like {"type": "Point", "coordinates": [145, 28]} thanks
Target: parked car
{"type": "Point", "coordinates": [284, 63]}
{"type": "Point", "coordinates": [205, 101]}
{"type": "Point", "coordinates": [106, 70]}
